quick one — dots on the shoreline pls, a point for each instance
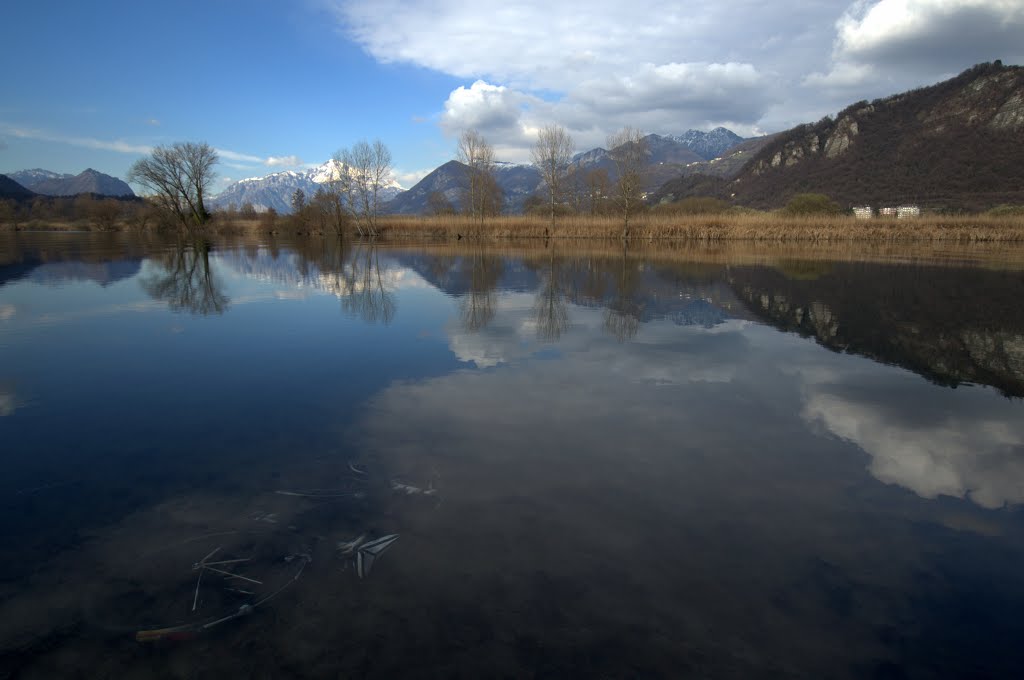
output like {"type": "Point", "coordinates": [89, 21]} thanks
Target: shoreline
{"type": "Point", "coordinates": [765, 228]}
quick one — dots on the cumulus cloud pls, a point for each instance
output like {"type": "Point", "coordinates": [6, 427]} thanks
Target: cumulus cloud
{"type": "Point", "coordinates": [596, 66]}
{"type": "Point", "coordinates": [654, 98]}
{"type": "Point", "coordinates": [894, 39]}
{"type": "Point", "coordinates": [408, 178]}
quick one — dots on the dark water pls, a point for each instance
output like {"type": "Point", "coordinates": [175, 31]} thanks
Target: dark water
{"type": "Point", "coordinates": [660, 463]}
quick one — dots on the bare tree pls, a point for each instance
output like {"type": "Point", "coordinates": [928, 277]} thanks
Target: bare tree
{"type": "Point", "coordinates": [178, 177]}
{"type": "Point", "coordinates": [596, 190]}
{"type": "Point", "coordinates": [628, 150]}
{"type": "Point", "coordinates": [365, 169]}
{"type": "Point", "coordinates": [328, 208]}
{"type": "Point", "coordinates": [551, 155]}
{"type": "Point", "coordinates": [438, 204]}
{"type": "Point", "coordinates": [478, 155]}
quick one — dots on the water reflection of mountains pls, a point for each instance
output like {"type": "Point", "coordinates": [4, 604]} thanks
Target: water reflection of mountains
{"type": "Point", "coordinates": [951, 325]}
{"type": "Point", "coordinates": [52, 273]}
{"type": "Point", "coordinates": [684, 295]}
{"type": "Point", "coordinates": [102, 259]}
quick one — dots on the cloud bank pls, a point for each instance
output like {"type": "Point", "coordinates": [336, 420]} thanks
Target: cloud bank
{"type": "Point", "coordinates": [594, 67]}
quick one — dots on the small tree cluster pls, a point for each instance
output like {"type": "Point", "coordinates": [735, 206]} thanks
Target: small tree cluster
{"type": "Point", "coordinates": [811, 204]}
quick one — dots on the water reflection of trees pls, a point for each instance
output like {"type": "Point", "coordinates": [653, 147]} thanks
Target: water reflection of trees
{"type": "Point", "coordinates": [478, 305]}
{"type": "Point", "coordinates": [354, 272]}
{"type": "Point", "coordinates": [550, 308]}
{"type": "Point", "coordinates": [365, 293]}
{"type": "Point", "coordinates": [186, 282]}
{"type": "Point", "coordinates": [626, 306]}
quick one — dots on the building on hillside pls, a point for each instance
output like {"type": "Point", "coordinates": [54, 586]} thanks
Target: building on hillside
{"type": "Point", "coordinates": [887, 212]}
{"type": "Point", "coordinates": [863, 212]}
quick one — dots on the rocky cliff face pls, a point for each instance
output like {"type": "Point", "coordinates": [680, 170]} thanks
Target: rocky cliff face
{"type": "Point", "coordinates": [954, 145]}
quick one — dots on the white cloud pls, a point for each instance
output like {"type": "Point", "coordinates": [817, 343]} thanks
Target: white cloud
{"type": "Point", "coordinates": [227, 154]}
{"type": "Point", "coordinates": [593, 67]}
{"type": "Point", "coordinates": [283, 161]}
{"type": "Point", "coordinates": [596, 66]}
{"type": "Point", "coordinates": [154, 122]}
{"type": "Point", "coordinates": [900, 40]}
{"type": "Point", "coordinates": [408, 178]}
{"type": "Point", "coordinates": [119, 146]}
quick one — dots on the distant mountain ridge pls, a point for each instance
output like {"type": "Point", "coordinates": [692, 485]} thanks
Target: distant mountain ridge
{"type": "Point", "coordinates": [955, 145]}
{"type": "Point", "coordinates": [88, 181]}
{"type": "Point", "coordinates": [668, 156]}
{"type": "Point", "coordinates": [9, 188]}
{"type": "Point", "coordinates": [276, 190]}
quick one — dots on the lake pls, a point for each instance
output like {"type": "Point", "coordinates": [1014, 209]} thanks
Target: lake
{"type": "Point", "coordinates": [308, 458]}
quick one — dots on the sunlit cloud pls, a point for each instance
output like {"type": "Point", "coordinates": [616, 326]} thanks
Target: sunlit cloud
{"type": "Point", "coordinates": [891, 39]}
{"type": "Point", "coordinates": [408, 178]}
{"type": "Point", "coordinates": [154, 122]}
{"type": "Point", "coordinates": [283, 161]}
{"type": "Point", "coordinates": [594, 67]}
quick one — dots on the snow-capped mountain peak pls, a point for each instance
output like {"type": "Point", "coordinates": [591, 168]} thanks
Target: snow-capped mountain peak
{"type": "Point", "coordinates": [276, 190]}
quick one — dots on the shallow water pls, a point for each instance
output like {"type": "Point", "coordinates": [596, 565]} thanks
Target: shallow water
{"type": "Point", "coordinates": [657, 462]}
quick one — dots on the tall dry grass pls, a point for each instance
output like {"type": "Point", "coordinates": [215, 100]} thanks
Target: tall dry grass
{"type": "Point", "coordinates": [650, 227]}
{"type": "Point", "coordinates": [748, 227]}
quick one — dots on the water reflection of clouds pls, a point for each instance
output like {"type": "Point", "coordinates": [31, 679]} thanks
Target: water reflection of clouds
{"type": "Point", "coordinates": [662, 352]}
{"type": "Point", "coordinates": [966, 443]}
{"type": "Point", "coordinates": [7, 311]}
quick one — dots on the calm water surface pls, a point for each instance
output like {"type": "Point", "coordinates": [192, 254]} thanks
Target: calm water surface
{"type": "Point", "coordinates": [598, 463]}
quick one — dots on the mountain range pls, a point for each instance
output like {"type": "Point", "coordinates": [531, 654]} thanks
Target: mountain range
{"type": "Point", "coordinates": [276, 190]}
{"type": "Point", "coordinates": [11, 189]}
{"type": "Point", "coordinates": [668, 157]}
{"type": "Point", "coordinates": [88, 181]}
{"type": "Point", "coordinates": [955, 145]}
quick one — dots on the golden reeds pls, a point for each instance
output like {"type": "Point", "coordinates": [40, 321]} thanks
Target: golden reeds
{"type": "Point", "coordinates": [747, 227]}
{"type": "Point", "coordinates": [762, 227]}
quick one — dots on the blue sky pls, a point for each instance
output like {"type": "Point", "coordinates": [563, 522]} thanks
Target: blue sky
{"type": "Point", "coordinates": [280, 85]}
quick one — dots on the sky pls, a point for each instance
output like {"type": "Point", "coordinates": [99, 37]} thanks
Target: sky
{"type": "Point", "coordinates": [283, 85]}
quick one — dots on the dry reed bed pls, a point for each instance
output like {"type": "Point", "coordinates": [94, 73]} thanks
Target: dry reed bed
{"type": "Point", "coordinates": [755, 227]}
{"type": "Point", "coordinates": [735, 253]}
